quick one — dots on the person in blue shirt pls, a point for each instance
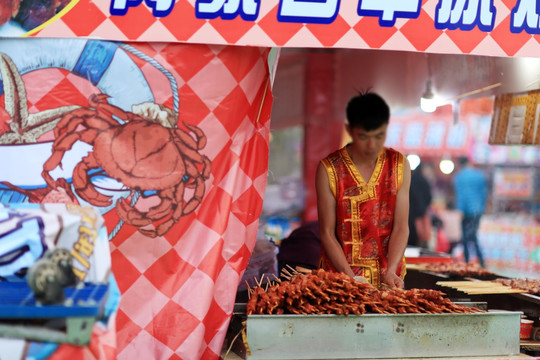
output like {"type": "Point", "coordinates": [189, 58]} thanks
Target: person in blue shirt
{"type": "Point", "coordinates": [471, 190]}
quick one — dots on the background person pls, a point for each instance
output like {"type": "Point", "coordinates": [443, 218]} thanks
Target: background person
{"type": "Point", "coordinates": [363, 199]}
{"type": "Point", "coordinates": [420, 226]}
{"type": "Point", "coordinates": [451, 224]}
{"type": "Point", "coordinates": [301, 248]}
{"type": "Point", "coordinates": [470, 188]}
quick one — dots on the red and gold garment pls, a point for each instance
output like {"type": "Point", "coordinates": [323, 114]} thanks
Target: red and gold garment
{"type": "Point", "coordinates": [365, 210]}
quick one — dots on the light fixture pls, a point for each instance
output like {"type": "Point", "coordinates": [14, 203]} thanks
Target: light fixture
{"type": "Point", "coordinates": [446, 166]}
{"type": "Point", "coordinates": [428, 103]}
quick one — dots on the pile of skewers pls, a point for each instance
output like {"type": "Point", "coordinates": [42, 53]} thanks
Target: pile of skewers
{"type": "Point", "coordinates": [325, 292]}
{"type": "Point", "coordinates": [459, 269]}
{"type": "Point", "coordinates": [531, 285]}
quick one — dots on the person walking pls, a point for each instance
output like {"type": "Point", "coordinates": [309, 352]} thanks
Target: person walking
{"type": "Point", "coordinates": [470, 188]}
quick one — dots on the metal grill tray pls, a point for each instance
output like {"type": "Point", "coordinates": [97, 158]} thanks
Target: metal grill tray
{"type": "Point", "coordinates": [379, 336]}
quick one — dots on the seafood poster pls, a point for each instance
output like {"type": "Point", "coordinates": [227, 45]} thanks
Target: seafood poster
{"type": "Point", "coordinates": [493, 28]}
{"type": "Point", "coordinates": [169, 143]}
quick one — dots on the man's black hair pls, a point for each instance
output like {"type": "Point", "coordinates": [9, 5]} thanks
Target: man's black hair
{"type": "Point", "coordinates": [368, 111]}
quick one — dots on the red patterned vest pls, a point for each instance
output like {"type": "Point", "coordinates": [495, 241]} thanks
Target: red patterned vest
{"type": "Point", "coordinates": [365, 211]}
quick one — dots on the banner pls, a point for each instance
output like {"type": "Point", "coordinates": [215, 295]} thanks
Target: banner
{"type": "Point", "coordinates": [435, 134]}
{"type": "Point", "coordinates": [452, 131]}
{"type": "Point", "coordinates": [484, 27]}
{"type": "Point", "coordinates": [169, 142]}
{"type": "Point", "coordinates": [515, 119]}
{"type": "Point", "coordinates": [513, 183]}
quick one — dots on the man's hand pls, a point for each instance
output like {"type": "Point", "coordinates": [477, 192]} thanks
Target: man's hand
{"type": "Point", "coordinates": [391, 280]}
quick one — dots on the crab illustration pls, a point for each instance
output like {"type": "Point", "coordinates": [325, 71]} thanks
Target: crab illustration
{"type": "Point", "coordinates": [62, 193]}
{"type": "Point", "coordinates": [141, 154]}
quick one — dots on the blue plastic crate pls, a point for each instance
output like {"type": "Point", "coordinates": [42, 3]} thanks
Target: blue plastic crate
{"type": "Point", "coordinates": [17, 302]}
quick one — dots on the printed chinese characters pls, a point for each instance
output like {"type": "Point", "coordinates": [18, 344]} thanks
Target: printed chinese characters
{"type": "Point", "coordinates": [525, 17]}
{"type": "Point", "coordinates": [227, 9]}
{"type": "Point", "coordinates": [464, 15]}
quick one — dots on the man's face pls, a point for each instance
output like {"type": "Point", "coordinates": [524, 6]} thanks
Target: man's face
{"type": "Point", "coordinates": [368, 144]}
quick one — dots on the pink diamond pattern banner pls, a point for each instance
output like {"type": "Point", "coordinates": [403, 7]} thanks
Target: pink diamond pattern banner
{"type": "Point", "coordinates": [169, 142]}
{"type": "Point", "coordinates": [492, 27]}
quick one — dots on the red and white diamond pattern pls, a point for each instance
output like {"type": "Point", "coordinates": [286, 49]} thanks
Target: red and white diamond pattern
{"type": "Point", "coordinates": [178, 290]}
{"type": "Point", "coordinates": [91, 18]}
{"type": "Point", "coordinates": [185, 277]}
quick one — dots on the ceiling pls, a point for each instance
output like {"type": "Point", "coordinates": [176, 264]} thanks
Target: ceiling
{"type": "Point", "coordinates": [400, 77]}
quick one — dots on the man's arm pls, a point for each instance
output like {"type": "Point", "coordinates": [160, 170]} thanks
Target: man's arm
{"type": "Point", "coordinates": [326, 207]}
{"type": "Point", "coordinates": [400, 231]}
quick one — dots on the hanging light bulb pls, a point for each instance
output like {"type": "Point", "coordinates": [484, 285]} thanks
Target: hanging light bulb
{"type": "Point", "coordinates": [414, 160]}
{"type": "Point", "coordinates": [428, 103]}
{"type": "Point", "coordinates": [446, 166]}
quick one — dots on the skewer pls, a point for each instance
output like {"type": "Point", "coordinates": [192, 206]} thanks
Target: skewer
{"type": "Point", "coordinates": [249, 290]}
{"type": "Point", "coordinates": [233, 340]}
{"type": "Point", "coordinates": [303, 270]}
{"type": "Point", "coordinates": [285, 276]}
{"type": "Point", "coordinates": [257, 282]}
{"type": "Point", "coordinates": [292, 269]}
{"type": "Point", "coordinates": [286, 272]}
{"type": "Point", "coordinates": [275, 277]}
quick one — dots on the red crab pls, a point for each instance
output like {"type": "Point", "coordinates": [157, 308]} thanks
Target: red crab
{"type": "Point", "coordinates": [142, 155]}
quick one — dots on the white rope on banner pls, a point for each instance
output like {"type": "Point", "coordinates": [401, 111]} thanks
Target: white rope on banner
{"type": "Point", "coordinates": [176, 101]}
{"type": "Point", "coordinates": [116, 229]}
{"type": "Point", "coordinates": [154, 63]}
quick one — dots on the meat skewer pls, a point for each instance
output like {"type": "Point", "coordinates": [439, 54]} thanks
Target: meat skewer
{"type": "Point", "coordinates": [323, 292]}
{"type": "Point", "coordinates": [531, 285]}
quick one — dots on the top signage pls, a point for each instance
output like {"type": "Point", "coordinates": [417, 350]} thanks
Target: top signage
{"type": "Point", "coordinates": [449, 14]}
{"type": "Point", "coordinates": [482, 27]}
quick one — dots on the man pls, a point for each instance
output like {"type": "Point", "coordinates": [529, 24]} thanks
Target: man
{"type": "Point", "coordinates": [363, 199]}
{"type": "Point", "coordinates": [471, 192]}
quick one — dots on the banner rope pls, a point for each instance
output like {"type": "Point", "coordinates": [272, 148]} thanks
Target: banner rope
{"type": "Point", "coordinates": [157, 65]}
{"type": "Point", "coordinates": [116, 229]}
{"type": "Point", "coordinates": [176, 101]}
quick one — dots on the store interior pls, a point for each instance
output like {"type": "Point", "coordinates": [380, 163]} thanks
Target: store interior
{"type": "Point", "coordinates": [311, 89]}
